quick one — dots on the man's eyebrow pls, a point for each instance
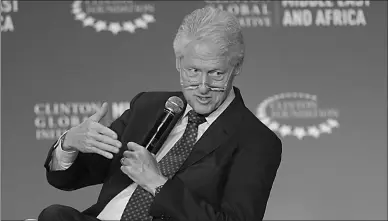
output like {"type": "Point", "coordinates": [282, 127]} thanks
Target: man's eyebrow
{"type": "Point", "coordinates": [216, 69]}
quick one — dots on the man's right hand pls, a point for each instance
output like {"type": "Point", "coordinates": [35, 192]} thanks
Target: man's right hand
{"type": "Point", "coordinates": [92, 137]}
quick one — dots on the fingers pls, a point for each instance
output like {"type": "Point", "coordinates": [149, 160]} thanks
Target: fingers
{"type": "Point", "coordinates": [136, 151]}
{"type": "Point", "coordinates": [104, 130]}
{"type": "Point", "coordinates": [100, 113]}
{"type": "Point", "coordinates": [125, 161]}
{"type": "Point", "coordinates": [101, 152]}
{"type": "Point", "coordinates": [130, 154]}
{"type": "Point", "coordinates": [125, 170]}
{"type": "Point", "coordinates": [105, 139]}
{"type": "Point", "coordinates": [103, 146]}
{"type": "Point", "coordinates": [134, 146]}
{"type": "Point", "coordinates": [131, 163]}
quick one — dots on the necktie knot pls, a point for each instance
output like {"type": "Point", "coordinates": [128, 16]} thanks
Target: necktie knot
{"type": "Point", "coordinates": [196, 118]}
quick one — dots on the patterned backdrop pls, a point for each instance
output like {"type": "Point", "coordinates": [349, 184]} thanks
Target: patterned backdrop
{"type": "Point", "coordinates": [315, 73]}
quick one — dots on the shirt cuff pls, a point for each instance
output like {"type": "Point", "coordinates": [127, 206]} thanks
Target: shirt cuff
{"type": "Point", "coordinates": [61, 159]}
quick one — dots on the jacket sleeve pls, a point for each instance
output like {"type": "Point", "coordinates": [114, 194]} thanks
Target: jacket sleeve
{"type": "Point", "coordinates": [88, 168]}
{"type": "Point", "coordinates": [247, 188]}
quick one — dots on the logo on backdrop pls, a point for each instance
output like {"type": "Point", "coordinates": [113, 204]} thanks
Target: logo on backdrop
{"type": "Point", "coordinates": [297, 114]}
{"type": "Point", "coordinates": [114, 16]}
{"type": "Point", "coordinates": [250, 13]}
{"type": "Point", "coordinates": [268, 13]}
{"type": "Point", "coordinates": [7, 8]}
{"type": "Point", "coordinates": [53, 119]}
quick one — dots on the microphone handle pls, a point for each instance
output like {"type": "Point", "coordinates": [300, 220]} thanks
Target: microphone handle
{"type": "Point", "coordinates": [155, 138]}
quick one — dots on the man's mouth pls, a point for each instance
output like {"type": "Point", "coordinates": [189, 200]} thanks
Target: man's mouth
{"type": "Point", "coordinates": [203, 100]}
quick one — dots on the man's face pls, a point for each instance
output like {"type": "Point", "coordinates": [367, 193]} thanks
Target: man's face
{"type": "Point", "coordinates": [203, 57]}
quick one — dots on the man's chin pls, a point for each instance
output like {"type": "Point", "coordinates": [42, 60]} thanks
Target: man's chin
{"type": "Point", "coordinates": [202, 109]}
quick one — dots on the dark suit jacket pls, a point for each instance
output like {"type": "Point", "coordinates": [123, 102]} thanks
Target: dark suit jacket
{"type": "Point", "coordinates": [228, 175]}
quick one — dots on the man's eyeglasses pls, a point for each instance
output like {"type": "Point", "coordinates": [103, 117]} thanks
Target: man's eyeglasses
{"type": "Point", "coordinates": [192, 78]}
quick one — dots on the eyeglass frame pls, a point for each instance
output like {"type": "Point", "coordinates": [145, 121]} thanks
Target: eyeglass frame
{"type": "Point", "coordinates": [193, 86]}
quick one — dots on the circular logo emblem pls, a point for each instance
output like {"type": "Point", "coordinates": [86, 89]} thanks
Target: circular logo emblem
{"type": "Point", "coordinates": [296, 114]}
{"type": "Point", "coordinates": [113, 15]}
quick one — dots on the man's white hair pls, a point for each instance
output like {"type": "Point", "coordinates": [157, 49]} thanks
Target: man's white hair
{"type": "Point", "coordinates": [220, 26]}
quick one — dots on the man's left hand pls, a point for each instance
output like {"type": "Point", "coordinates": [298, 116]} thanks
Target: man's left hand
{"type": "Point", "coordinates": [141, 166]}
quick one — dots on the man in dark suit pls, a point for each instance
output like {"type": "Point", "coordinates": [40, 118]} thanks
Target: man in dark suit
{"type": "Point", "coordinates": [217, 163]}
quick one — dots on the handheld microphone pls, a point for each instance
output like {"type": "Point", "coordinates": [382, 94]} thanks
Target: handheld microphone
{"type": "Point", "coordinates": [159, 132]}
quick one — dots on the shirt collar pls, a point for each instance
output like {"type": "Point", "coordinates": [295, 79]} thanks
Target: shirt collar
{"type": "Point", "coordinates": [213, 116]}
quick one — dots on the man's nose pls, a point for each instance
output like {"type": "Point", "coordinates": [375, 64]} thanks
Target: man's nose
{"type": "Point", "coordinates": [203, 88]}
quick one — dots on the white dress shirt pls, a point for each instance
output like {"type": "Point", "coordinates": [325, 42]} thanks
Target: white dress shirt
{"type": "Point", "coordinates": [114, 209]}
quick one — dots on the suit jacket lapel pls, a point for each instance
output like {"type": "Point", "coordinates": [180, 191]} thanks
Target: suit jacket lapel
{"type": "Point", "coordinates": [218, 132]}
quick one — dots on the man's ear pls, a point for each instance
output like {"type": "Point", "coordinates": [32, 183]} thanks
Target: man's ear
{"type": "Point", "coordinates": [238, 69]}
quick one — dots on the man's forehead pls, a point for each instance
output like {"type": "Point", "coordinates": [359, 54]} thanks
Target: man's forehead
{"type": "Point", "coordinates": [204, 51]}
{"type": "Point", "coordinates": [204, 48]}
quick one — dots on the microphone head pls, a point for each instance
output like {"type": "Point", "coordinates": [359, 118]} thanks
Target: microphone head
{"type": "Point", "coordinates": [174, 104]}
